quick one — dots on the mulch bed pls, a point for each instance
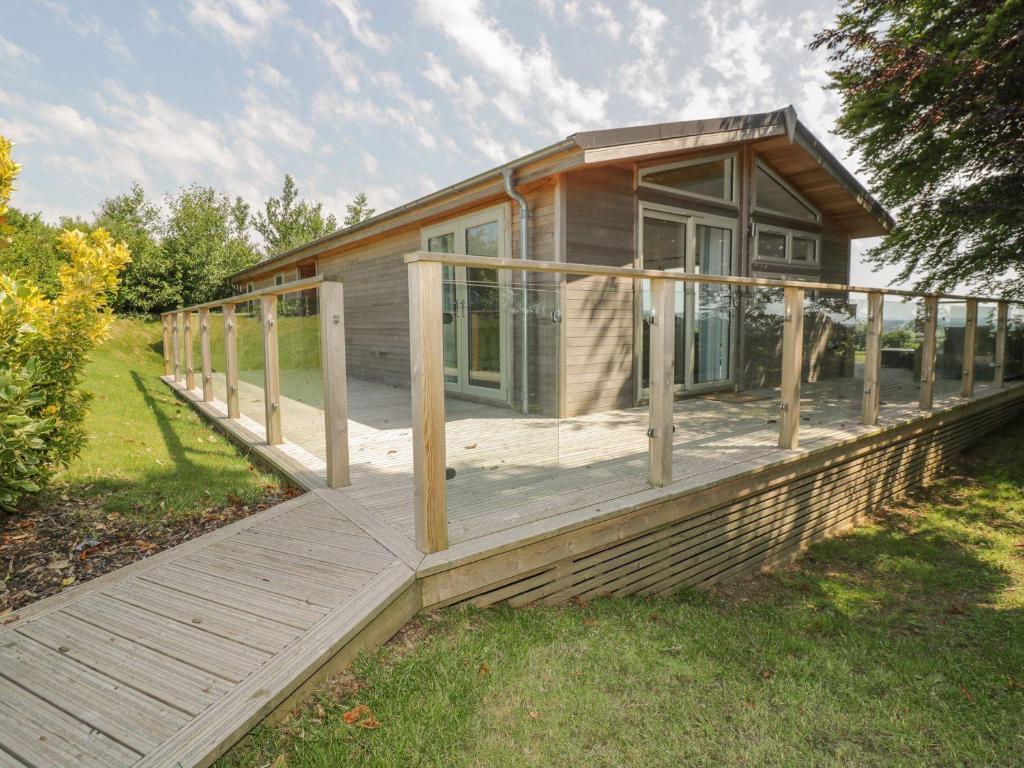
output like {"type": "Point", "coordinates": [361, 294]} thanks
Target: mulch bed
{"type": "Point", "coordinates": [71, 540]}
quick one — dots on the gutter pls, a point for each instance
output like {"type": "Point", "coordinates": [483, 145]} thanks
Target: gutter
{"type": "Point", "coordinates": [524, 254]}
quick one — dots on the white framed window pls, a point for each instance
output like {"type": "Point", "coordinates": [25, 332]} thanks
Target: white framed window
{"type": "Point", "coordinates": [707, 178]}
{"type": "Point", "coordinates": [778, 245]}
{"type": "Point", "coordinates": [248, 287]}
{"type": "Point", "coordinates": [279, 278]}
{"type": "Point", "coordinates": [773, 195]}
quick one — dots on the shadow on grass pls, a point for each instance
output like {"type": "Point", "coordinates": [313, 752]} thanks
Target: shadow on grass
{"type": "Point", "coordinates": [195, 476]}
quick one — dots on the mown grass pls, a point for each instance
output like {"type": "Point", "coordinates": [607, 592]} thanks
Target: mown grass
{"type": "Point", "coordinates": [900, 643]}
{"type": "Point", "coordinates": [148, 454]}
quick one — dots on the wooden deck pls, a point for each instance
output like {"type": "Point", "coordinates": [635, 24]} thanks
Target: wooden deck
{"type": "Point", "coordinates": [170, 661]}
{"type": "Point", "coordinates": [513, 470]}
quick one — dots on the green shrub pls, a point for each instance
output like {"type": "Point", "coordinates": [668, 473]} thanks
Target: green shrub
{"type": "Point", "coordinates": [44, 345]}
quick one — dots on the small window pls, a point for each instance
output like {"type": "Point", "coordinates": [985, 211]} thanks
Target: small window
{"type": "Point", "coordinates": [804, 249]}
{"type": "Point", "coordinates": [709, 178]}
{"type": "Point", "coordinates": [771, 246]}
{"type": "Point", "coordinates": [248, 287]}
{"type": "Point", "coordinates": [775, 196]}
{"type": "Point", "coordinates": [279, 279]}
{"type": "Point", "coordinates": [786, 246]}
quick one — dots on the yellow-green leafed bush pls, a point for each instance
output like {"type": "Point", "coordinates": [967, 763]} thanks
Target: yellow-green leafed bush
{"type": "Point", "coordinates": [8, 172]}
{"type": "Point", "coordinates": [44, 345]}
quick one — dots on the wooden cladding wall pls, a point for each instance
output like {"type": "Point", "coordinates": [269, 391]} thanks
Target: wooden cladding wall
{"type": "Point", "coordinates": [714, 535]}
{"type": "Point", "coordinates": [600, 224]}
{"type": "Point", "coordinates": [377, 308]}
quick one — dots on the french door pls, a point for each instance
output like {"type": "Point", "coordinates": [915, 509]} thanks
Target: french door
{"type": "Point", "coordinates": [475, 305]}
{"type": "Point", "coordinates": [680, 241]}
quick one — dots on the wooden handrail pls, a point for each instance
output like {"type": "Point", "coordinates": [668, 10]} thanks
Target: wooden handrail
{"type": "Point", "coordinates": [596, 270]}
{"type": "Point", "coordinates": [273, 290]}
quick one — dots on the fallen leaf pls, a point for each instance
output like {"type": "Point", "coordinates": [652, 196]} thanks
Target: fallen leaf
{"type": "Point", "coordinates": [534, 715]}
{"type": "Point", "coordinates": [356, 713]}
{"type": "Point", "coordinates": [967, 694]}
{"type": "Point", "coordinates": [371, 723]}
{"type": "Point", "coordinates": [279, 762]}
{"type": "Point", "coordinates": [471, 446]}
{"type": "Point", "coordinates": [484, 670]}
{"type": "Point", "coordinates": [68, 581]}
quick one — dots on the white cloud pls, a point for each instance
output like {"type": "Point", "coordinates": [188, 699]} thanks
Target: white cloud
{"type": "Point", "coordinates": [648, 26]}
{"type": "Point", "coordinates": [240, 22]}
{"type": "Point", "coordinates": [358, 19]}
{"type": "Point", "coordinates": [89, 26]}
{"type": "Point", "coordinates": [262, 120]}
{"type": "Point", "coordinates": [572, 11]}
{"type": "Point", "coordinates": [15, 54]}
{"type": "Point", "coordinates": [342, 64]}
{"type": "Point", "coordinates": [269, 75]}
{"type": "Point", "coordinates": [68, 120]}
{"type": "Point", "coordinates": [498, 152]}
{"type": "Point", "coordinates": [526, 74]}
{"type": "Point", "coordinates": [370, 164]}
{"type": "Point", "coordinates": [606, 20]}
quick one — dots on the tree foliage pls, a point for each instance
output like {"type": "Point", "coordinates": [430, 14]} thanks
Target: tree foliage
{"type": "Point", "coordinates": [287, 222]}
{"type": "Point", "coordinates": [933, 99]}
{"type": "Point", "coordinates": [148, 283]}
{"type": "Point", "coordinates": [358, 210]}
{"type": "Point", "coordinates": [206, 239]}
{"type": "Point", "coordinates": [31, 251]}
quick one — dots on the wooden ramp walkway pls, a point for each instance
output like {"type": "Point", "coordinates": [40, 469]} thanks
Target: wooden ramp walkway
{"type": "Point", "coordinates": [169, 661]}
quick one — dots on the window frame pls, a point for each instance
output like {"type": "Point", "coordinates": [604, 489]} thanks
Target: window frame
{"type": "Point", "coordinates": [759, 165]}
{"type": "Point", "coordinates": [789, 234]}
{"type": "Point", "coordinates": [733, 178]}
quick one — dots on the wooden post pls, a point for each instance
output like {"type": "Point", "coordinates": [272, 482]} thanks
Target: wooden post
{"type": "Point", "coordinates": [428, 430]}
{"type": "Point", "coordinates": [231, 361]}
{"type": "Point", "coordinates": [931, 322]}
{"type": "Point", "coordinates": [792, 362]}
{"type": "Point", "coordinates": [190, 374]}
{"type": "Point", "coordinates": [335, 378]}
{"type": "Point", "coordinates": [873, 360]}
{"type": "Point", "coordinates": [970, 343]}
{"type": "Point", "coordinates": [176, 343]}
{"type": "Point", "coordinates": [271, 374]}
{"type": "Point", "coordinates": [1000, 368]}
{"type": "Point", "coordinates": [662, 376]}
{"type": "Point", "coordinates": [204, 355]}
{"type": "Point", "coordinates": [165, 320]}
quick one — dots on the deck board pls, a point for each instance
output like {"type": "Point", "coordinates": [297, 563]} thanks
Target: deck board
{"type": "Point", "coordinates": [167, 661]}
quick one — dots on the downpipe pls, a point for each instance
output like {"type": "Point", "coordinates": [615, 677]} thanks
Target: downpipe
{"type": "Point", "coordinates": [524, 254]}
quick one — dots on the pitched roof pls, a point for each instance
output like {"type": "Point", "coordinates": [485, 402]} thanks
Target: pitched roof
{"type": "Point", "coordinates": [822, 178]}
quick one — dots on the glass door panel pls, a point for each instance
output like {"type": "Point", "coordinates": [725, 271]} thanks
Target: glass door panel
{"type": "Point", "coordinates": [449, 307]}
{"type": "Point", "coordinates": [663, 247]}
{"type": "Point", "coordinates": [712, 326]}
{"type": "Point", "coordinates": [483, 310]}
{"type": "Point", "coordinates": [473, 306]}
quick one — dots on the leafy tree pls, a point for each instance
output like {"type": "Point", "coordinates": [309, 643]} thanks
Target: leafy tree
{"type": "Point", "coordinates": [148, 283]}
{"type": "Point", "coordinates": [358, 210]}
{"type": "Point", "coordinates": [206, 239]}
{"type": "Point", "coordinates": [287, 222]}
{"type": "Point", "coordinates": [31, 252]}
{"type": "Point", "coordinates": [933, 99]}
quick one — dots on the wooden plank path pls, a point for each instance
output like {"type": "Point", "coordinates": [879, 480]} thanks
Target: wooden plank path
{"type": "Point", "coordinates": [169, 661]}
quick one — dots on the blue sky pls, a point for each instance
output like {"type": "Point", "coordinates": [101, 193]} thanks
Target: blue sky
{"type": "Point", "coordinates": [396, 98]}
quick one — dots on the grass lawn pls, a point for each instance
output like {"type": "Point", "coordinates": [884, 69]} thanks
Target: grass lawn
{"type": "Point", "coordinates": [900, 643]}
{"type": "Point", "coordinates": [149, 455]}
